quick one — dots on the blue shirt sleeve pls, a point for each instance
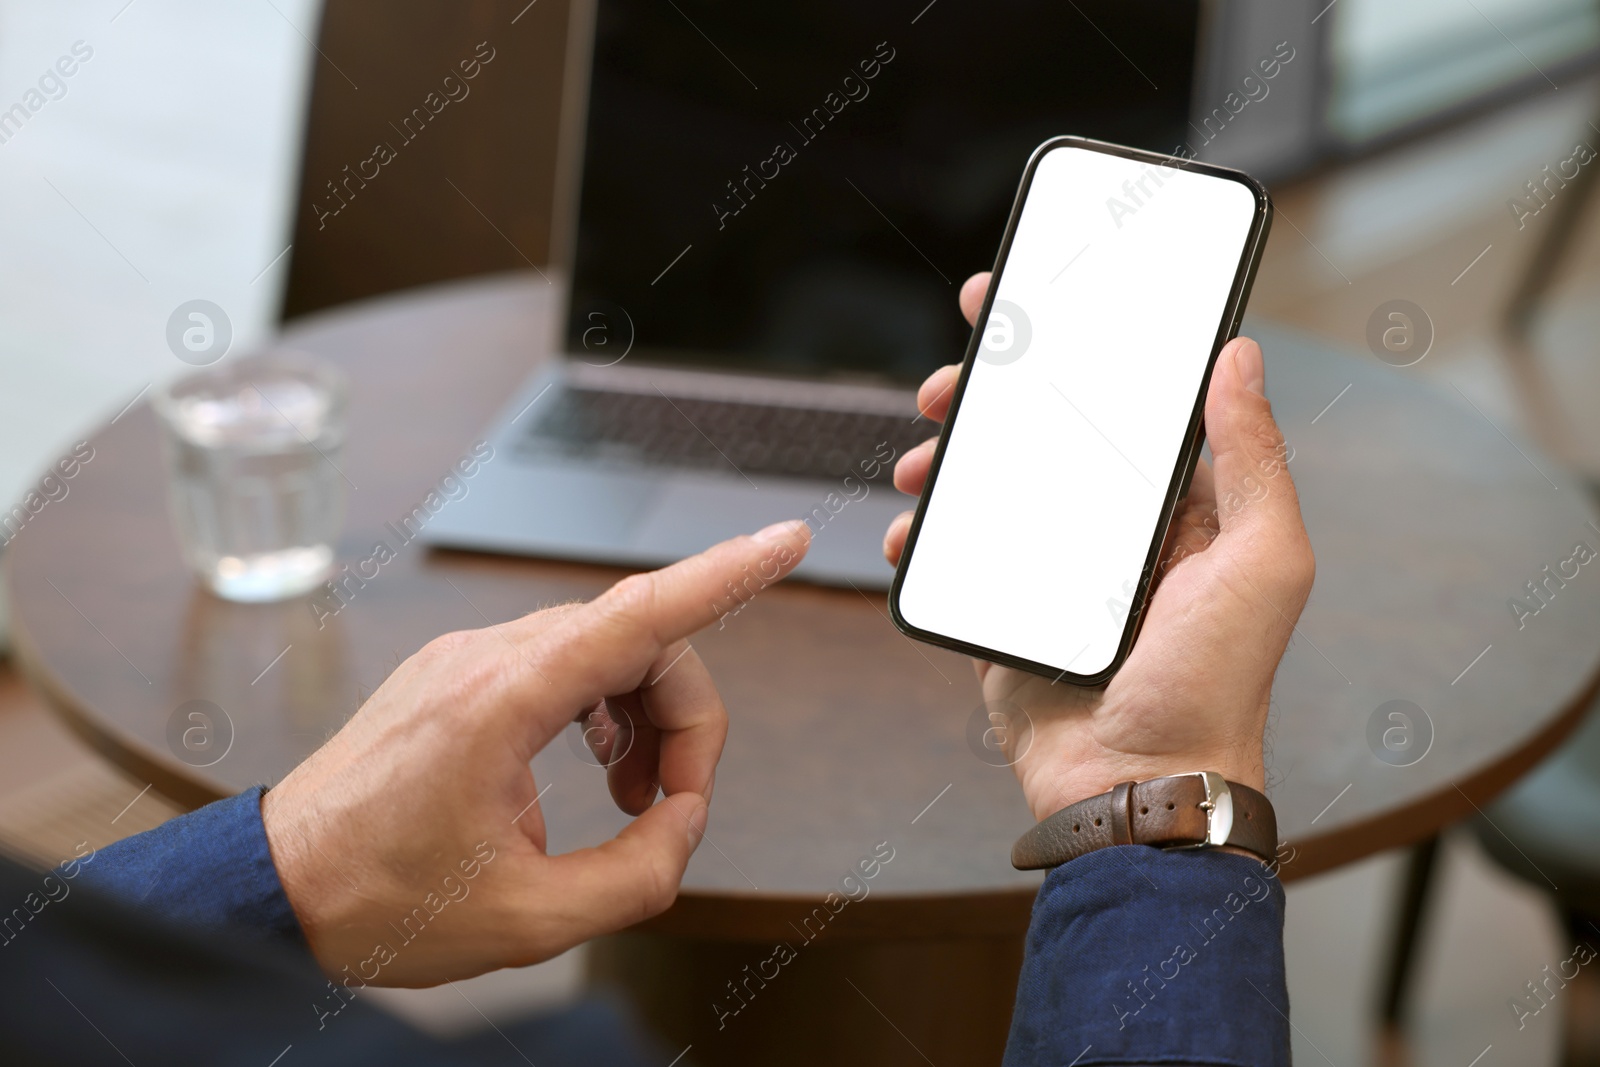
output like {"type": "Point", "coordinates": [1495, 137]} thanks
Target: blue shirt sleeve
{"type": "Point", "coordinates": [206, 870]}
{"type": "Point", "coordinates": [1139, 956]}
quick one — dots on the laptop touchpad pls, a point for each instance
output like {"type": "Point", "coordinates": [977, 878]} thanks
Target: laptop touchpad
{"type": "Point", "coordinates": [699, 512]}
{"type": "Point", "coordinates": [582, 505]}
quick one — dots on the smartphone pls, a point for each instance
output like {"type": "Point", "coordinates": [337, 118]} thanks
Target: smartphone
{"type": "Point", "coordinates": [1077, 419]}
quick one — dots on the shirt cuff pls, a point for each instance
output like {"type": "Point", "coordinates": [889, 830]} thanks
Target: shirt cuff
{"type": "Point", "coordinates": [1141, 956]}
{"type": "Point", "coordinates": [210, 869]}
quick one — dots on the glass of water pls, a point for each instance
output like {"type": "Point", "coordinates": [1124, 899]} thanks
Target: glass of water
{"type": "Point", "coordinates": [257, 495]}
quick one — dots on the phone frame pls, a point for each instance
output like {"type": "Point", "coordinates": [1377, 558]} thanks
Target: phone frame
{"type": "Point", "coordinates": [1183, 470]}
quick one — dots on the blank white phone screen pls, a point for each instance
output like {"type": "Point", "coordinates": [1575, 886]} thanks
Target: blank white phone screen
{"type": "Point", "coordinates": [1075, 415]}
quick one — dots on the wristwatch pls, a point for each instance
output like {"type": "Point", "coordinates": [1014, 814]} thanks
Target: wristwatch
{"type": "Point", "coordinates": [1200, 809]}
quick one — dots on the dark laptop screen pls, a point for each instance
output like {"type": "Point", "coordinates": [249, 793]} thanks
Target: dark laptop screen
{"type": "Point", "coordinates": [800, 188]}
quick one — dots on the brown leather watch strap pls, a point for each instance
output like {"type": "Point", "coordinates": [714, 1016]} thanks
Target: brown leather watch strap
{"type": "Point", "coordinates": [1179, 811]}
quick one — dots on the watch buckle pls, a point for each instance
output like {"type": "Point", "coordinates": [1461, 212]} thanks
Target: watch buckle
{"type": "Point", "coordinates": [1218, 806]}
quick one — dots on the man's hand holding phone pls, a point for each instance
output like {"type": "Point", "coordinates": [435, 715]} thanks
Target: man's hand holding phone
{"type": "Point", "coordinates": [1194, 693]}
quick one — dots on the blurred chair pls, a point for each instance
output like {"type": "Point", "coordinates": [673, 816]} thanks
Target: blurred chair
{"type": "Point", "coordinates": [470, 191]}
{"type": "Point", "coordinates": [1546, 830]}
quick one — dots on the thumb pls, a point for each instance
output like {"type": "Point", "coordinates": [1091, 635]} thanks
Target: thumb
{"type": "Point", "coordinates": [633, 876]}
{"type": "Point", "coordinates": [1257, 506]}
{"type": "Point", "coordinates": [1249, 456]}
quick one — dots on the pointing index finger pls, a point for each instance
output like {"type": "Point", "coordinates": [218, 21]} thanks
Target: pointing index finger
{"type": "Point", "coordinates": [607, 645]}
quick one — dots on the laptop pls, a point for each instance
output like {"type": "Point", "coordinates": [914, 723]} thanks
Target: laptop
{"type": "Point", "coordinates": [764, 215]}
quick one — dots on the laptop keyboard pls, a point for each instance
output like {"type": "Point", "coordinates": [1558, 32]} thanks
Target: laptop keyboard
{"type": "Point", "coordinates": [720, 435]}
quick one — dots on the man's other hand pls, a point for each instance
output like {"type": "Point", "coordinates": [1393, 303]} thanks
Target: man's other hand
{"type": "Point", "coordinates": [412, 846]}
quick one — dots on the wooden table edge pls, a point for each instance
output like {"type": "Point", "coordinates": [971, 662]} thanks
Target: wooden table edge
{"type": "Point", "coordinates": [1434, 812]}
{"type": "Point", "coordinates": [752, 917]}
{"type": "Point", "coordinates": [764, 917]}
{"type": "Point", "coordinates": [1000, 913]}
{"type": "Point", "coordinates": [182, 787]}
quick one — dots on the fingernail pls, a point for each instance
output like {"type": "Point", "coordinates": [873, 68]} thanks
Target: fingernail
{"type": "Point", "coordinates": [778, 531]}
{"type": "Point", "coordinates": [697, 826]}
{"type": "Point", "coordinates": [1247, 361]}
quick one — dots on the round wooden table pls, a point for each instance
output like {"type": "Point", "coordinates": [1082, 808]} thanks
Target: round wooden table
{"type": "Point", "coordinates": [1426, 520]}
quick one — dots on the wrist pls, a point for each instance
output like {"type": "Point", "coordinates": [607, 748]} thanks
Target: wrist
{"type": "Point", "coordinates": [306, 884]}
